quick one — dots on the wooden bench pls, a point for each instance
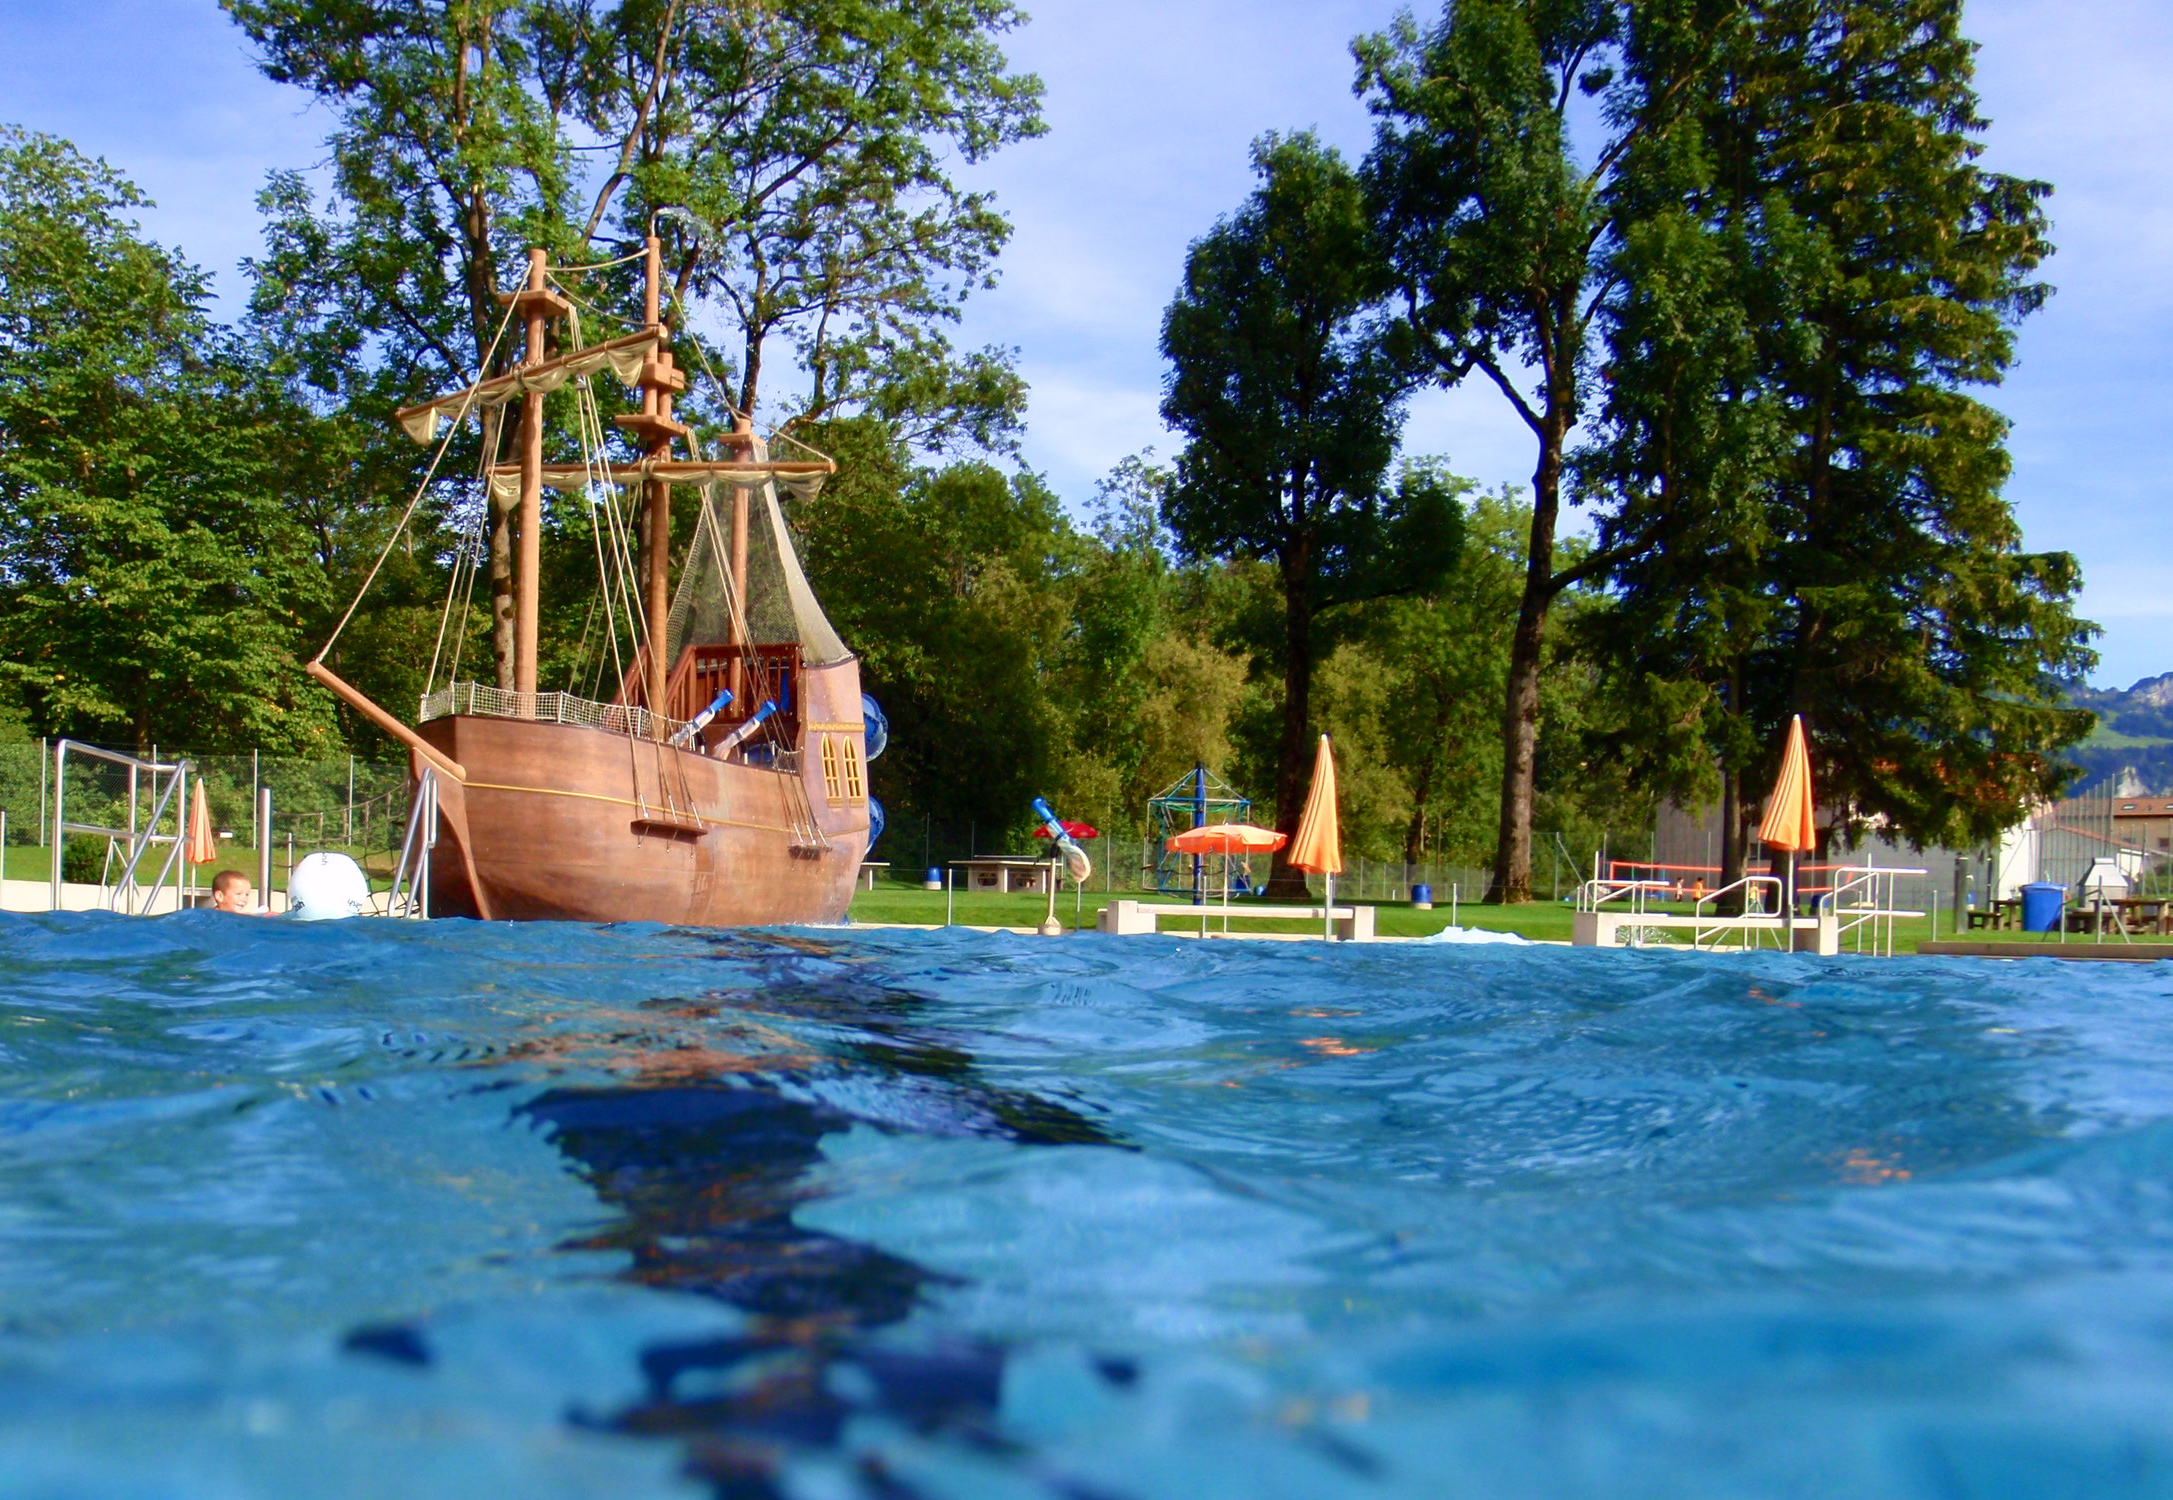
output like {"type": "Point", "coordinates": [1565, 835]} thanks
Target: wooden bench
{"type": "Point", "coordinates": [1353, 924]}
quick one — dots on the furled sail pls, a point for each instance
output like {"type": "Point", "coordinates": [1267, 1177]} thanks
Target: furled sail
{"type": "Point", "coordinates": [803, 480]}
{"type": "Point", "coordinates": [623, 357]}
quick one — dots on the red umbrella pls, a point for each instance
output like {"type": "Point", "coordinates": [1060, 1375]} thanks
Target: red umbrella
{"type": "Point", "coordinates": [1081, 830]}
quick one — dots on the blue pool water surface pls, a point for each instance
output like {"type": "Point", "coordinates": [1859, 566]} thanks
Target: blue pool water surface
{"type": "Point", "coordinates": [478, 1211]}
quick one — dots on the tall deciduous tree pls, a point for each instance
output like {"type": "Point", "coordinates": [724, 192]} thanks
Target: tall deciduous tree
{"type": "Point", "coordinates": [151, 578]}
{"type": "Point", "coordinates": [1820, 486]}
{"type": "Point", "coordinates": [1289, 402]}
{"type": "Point", "coordinates": [1497, 230]}
{"type": "Point", "coordinates": [815, 142]}
{"type": "Point", "coordinates": [449, 152]}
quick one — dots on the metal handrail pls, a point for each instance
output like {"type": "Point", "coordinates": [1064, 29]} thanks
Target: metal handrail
{"type": "Point", "coordinates": [1746, 885]}
{"type": "Point", "coordinates": [177, 774]}
{"type": "Point", "coordinates": [1876, 884]}
{"type": "Point", "coordinates": [413, 870]}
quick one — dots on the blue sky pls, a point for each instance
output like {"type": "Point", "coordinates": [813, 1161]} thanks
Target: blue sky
{"type": "Point", "coordinates": [1151, 107]}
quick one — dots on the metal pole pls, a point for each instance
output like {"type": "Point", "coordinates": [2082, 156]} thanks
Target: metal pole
{"type": "Point", "coordinates": [350, 799]}
{"type": "Point", "coordinates": [947, 873]}
{"type": "Point", "coordinates": [60, 782]}
{"type": "Point", "coordinates": [264, 843]}
{"type": "Point", "coordinates": [256, 803]}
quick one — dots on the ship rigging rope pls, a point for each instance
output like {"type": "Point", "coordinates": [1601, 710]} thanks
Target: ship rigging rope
{"type": "Point", "coordinates": [430, 474]}
{"type": "Point", "coordinates": [467, 558]}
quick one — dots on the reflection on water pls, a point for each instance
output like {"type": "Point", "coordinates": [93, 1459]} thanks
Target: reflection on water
{"type": "Point", "coordinates": [704, 1177]}
{"type": "Point", "coordinates": [566, 1211]}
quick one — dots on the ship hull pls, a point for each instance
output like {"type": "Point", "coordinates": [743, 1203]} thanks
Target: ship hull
{"type": "Point", "coordinates": [561, 822]}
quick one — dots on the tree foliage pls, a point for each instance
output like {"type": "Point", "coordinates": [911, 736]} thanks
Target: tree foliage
{"type": "Point", "coordinates": [1497, 230]}
{"type": "Point", "coordinates": [1793, 430]}
{"type": "Point", "coordinates": [151, 581]}
{"type": "Point", "coordinates": [813, 143]}
{"type": "Point", "coordinates": [1289, 402]}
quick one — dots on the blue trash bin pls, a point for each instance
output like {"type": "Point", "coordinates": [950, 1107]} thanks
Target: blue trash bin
{"type": "Point", "coordinates": [1422, 897]}
{"type": "Point", "coordinates": [2042, 901]}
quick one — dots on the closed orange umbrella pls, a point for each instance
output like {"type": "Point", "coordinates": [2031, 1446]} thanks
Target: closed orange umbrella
{"type": "Point", "coordinates": [1226, 838]}
{"type": "Point", "coordinates": [203, 847]}
{"type": "Point", "coordinates": [1319, 844]}
{"type": "Point", "coordinates": [1789, 822]}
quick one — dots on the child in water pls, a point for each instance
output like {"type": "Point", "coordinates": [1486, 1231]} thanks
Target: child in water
{"type": "Point", "coordinates": [232, 892]}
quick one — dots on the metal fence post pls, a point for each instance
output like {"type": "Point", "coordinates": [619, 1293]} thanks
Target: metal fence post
{"type": "Point", "coordinates": [264, 842]}
{"type": "Point", "coordinates": [60, 782]}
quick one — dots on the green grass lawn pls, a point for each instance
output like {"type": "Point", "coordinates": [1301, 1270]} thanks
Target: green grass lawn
{"type": "Point", "coordinates": [892, 901]}
{"type": "Point", "coordinates": [1541, 921]}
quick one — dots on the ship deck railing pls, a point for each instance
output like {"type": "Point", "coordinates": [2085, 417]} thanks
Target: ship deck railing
{"type": "Point", "coordinates": [483, 700]}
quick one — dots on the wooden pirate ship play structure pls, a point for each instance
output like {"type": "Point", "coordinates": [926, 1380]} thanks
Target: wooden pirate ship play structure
{"type": "Point", "coordinates": [724, 782]}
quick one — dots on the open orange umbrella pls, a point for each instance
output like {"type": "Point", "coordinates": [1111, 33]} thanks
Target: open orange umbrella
{"type": "Point", "coordinates": [1226, 838]}
{"type": "Point", "coordinates": [203, 847]}
{"type": "Point", "coordinates": [1319, 843]}
{"type": "Point", "coordinates": [1789, 822]}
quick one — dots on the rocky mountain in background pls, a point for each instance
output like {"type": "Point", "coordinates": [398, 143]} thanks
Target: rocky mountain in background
{"type": "Point", "coordinates": [2132, 747]}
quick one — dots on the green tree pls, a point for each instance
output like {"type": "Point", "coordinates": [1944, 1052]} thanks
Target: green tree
{"type": "Point", "coordinates": [1497, 230]}
{"type": "Point", "coordinates": [151, 578]}
{"type": "Point", "coordinates": [1867, 572]}
{"type": "Point", "coordinates": [951, 583]}
{"type": "Point", "coordinates": [450, 154]}
{"type": "Point", "coordinates": [1289, 404]}
{"type": "Point", "coordinates": [814, 143]}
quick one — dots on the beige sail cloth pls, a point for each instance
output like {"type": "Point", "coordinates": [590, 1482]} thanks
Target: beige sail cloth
{"type": "Point", "coordinates": [623, 357]}
{"type": "Point", "coordinates": [1318, 845]}
{"type": "Point", "coordinates": [780, 605]}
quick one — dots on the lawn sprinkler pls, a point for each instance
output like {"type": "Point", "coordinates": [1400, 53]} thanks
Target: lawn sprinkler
{"type": "Point", "coordinates": [1065, 850]}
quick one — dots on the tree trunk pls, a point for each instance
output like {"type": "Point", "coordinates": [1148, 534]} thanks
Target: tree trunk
{"type": "Point", "coordinates": [1294, 755]}
{"type": "Point", "coordinates": [1520, 714]}
{"type": "Point", "coordinates": [1731, 837]}
{"type": "Point", "coordinates": [1414, 835]}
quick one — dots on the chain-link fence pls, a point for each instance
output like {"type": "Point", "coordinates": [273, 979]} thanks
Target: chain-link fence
{"type": "Point", "coordinates": [346, 803]}
{"type": "Point", "coordinates": [1130, 864]}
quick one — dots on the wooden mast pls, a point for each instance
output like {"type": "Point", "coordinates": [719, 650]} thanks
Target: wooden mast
{"type": "Point", "coordinates": [528, 532]}
{"type": "Point", "coordinates": [655, 428]}
{"type": "Point", "coordinates": [743, 427]}
{"type": "Point", "coordinates": [537, 304]}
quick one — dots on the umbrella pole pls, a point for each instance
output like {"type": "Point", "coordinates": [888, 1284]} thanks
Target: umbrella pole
{"type": "Point", "coordinates": [1327, 911]}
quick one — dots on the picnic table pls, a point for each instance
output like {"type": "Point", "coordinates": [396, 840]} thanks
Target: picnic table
{"type": "Point", "coordinates": [1004, 873]}
{"type": "Point", "coordinates": [2001, 915]}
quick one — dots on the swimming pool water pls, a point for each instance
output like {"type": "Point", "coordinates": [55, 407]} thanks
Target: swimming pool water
{"type": "Point", "coordinates": [475, 1211]}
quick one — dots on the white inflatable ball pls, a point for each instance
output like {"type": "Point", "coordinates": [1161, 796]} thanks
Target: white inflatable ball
{"type": "Point", "coordinates": [327, 886]}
